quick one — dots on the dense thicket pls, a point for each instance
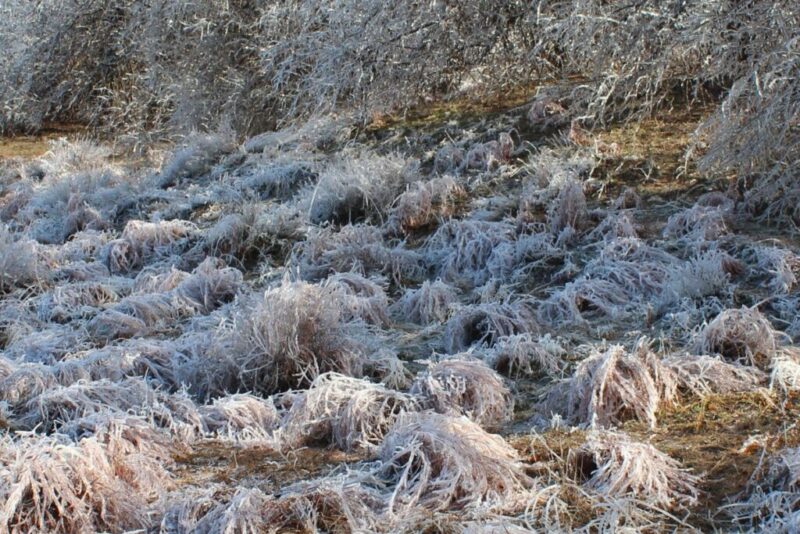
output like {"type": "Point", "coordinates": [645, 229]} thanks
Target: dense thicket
{"type": "Point", "coordinates": [194, 64]}
{"type": "Point", "coordinates": [247, 64]}
{"type": "Point", "coordinates": [131, 66]}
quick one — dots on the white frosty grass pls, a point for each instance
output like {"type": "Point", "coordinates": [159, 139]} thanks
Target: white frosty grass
{"type": "Point", "coordinates": [282, 294]}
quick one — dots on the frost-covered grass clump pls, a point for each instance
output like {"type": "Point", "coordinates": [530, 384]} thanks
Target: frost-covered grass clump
{"type": "Point", "coordinates": [356, 187]}
{"type": "Point", "coordinates": [485, 324]}
{"type": "Point", "coordinates": [621, 466]}
{"type": "Point", "coordinates": [441, 462]}
{"type": "Point", "coordinates": [466, 387]}
{"type": "Point", "coordinates": [613, 386]}
{"type": "Point", "coordinates": [744, 335]}
{"type": "Point", "coordinates": [355, 247]}
{"type": "Point", "coordinates": [287, 337]}
{"type": "Point", "coordinates": [19, 260]}
{"type": "Point", "coordinates": [349, 412]}
{"type": "Point", "coordinates": [107, 481]}
{"type": "Point", "coordinates": [430, 303]}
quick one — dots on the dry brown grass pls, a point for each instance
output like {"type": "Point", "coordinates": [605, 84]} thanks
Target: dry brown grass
{"type": "Point", "coordinates": [708, 436]}
{"type": "Point", "coordinates": [220, 462]}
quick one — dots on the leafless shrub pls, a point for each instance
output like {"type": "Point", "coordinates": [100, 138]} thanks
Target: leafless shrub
{"type": "Point", "coordinates": [466, 387]}
{"type": "Point", "coordinates": [750, 133]}
{"type": "Point", "coordinates": [526, 355]}
{"type": "Point", "coordinates": [286, 70]}
{"type": "Point", "coordinates": [486, 323]}
{"type": "Point", "coordinates": [671, 50]}
{"type": "Point", "coordinates": [614, 386]}
{"type": "Point", "coordinates": [445, 463]}
{"type": "Point", "coordinates": [621, 466]}
{"type": "Point", "coordinates": [265, 66]}
{"type": "Point", "coordinates": [744, 335]}
{"type": "Point", "coordinates": [352, 413]}
{"type": "Point", "coordinates": [424, 203]}
{"type": "Point", "coordinates": [430, 303]}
